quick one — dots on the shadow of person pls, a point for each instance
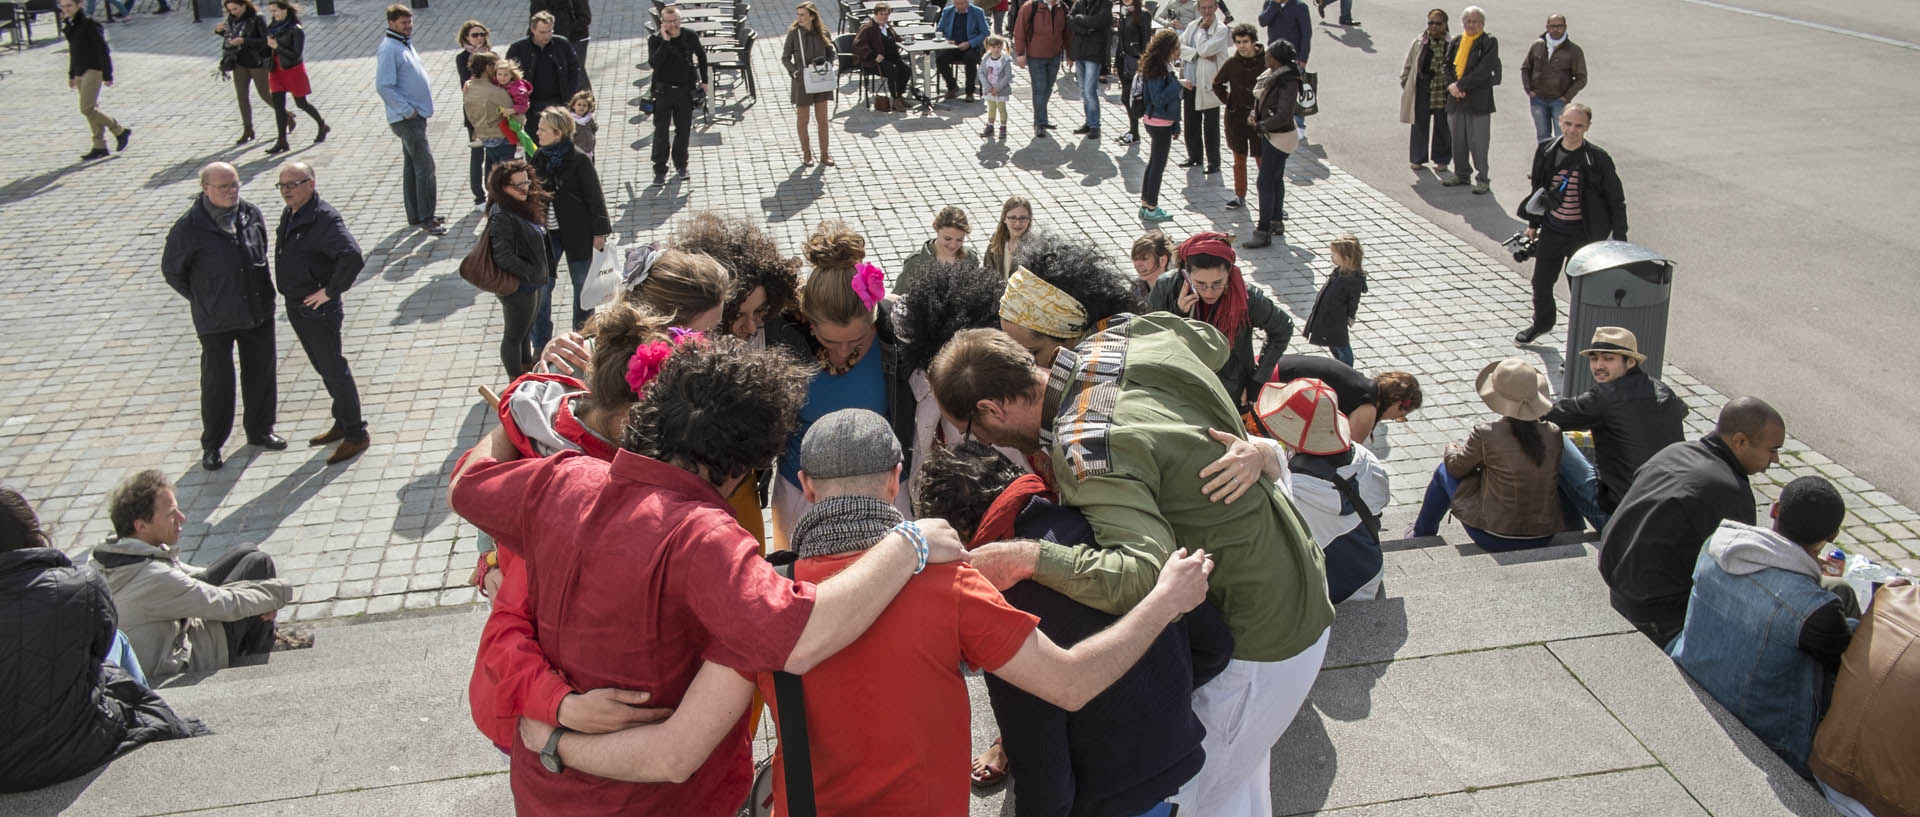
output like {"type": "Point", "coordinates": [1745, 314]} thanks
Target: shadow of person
{"type": "Point", "coordinates": [1092, 163]}
{"type": "Point", "coordinates": [261, 515]}
{"type": "Point", "coordinates": [1484, 214]}
{"type": "Point", "coordinates": [1305, 757]}
{"type": "Point", "coordinates": [435, 302]}
{"type": "Point", "coordinates": [22, 189]}
{"type": "Point", "coordinates": [391, 253]}
{"type": "Point", "coordinates": [795, 193]}
{"type": "Point", "coordinates": [423, 502]}
{"type": "Point", "coordinates": [1351, 37]}
{"type": "Point", "coordinates": [993, 153]}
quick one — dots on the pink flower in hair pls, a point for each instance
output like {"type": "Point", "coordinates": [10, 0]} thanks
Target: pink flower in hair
{"type": "Point", "coordinates": [869, 283]}
{"type": "Point", "coordinates": [646, 363]}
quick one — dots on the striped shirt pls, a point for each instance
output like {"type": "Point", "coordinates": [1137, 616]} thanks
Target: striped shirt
{"type": "Point", "coordinates": [1567, 181]}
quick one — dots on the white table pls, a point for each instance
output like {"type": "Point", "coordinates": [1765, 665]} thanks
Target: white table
{"type": "Point", "coordinates": [922, 52]}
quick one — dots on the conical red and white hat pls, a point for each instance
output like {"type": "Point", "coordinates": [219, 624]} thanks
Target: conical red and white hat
{"type": "Point", "coordinates": [1305, 415]}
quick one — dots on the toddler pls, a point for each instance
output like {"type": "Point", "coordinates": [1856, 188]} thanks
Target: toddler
{"type": "Point", "coordinates": [1339, 300]}
{"type": "Point", "coordinates": [585, 130]}
{"type": "Point", "coordinates": [996, 80]}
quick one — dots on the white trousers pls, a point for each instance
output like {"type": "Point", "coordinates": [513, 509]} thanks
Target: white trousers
{"type": "Point", "coordinates": [1246, 709]}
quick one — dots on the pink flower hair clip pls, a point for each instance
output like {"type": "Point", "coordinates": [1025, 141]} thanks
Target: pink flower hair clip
{"type": "Point", "coordinates": [650, 358]}
{"type": "Point", "coordinates": [869, 283]}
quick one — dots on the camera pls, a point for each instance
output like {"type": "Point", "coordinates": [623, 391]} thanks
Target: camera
{"type": "Point", "coordinates": [1522, 246]}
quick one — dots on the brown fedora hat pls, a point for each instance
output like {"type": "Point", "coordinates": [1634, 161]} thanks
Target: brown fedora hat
{"type": "Point", "coordinates": [1514, 388]}
{"type": "Point", "coordinates": [1616, 340]}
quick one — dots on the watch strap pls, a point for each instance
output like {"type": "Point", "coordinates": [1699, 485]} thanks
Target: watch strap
{"type": "Point", "coordinates": [550, 754]}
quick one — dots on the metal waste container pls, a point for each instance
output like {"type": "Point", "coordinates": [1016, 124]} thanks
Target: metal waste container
{"type": "Point", "coordinates": [1615, 283]}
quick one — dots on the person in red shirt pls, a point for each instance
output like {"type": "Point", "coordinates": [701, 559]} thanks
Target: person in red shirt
{"type": "Point", "coordinates": [639, 578]}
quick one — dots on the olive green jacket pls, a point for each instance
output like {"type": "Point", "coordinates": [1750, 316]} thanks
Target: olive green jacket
{"type": "Point", "coordinates": [1130, 408]}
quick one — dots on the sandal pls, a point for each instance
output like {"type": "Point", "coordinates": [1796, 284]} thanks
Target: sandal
{"type": "Point", "coordinates": [986, 775]}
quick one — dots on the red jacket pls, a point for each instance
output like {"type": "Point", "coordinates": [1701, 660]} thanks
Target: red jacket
{"type": "Point", "coordinates": [1043, 38]}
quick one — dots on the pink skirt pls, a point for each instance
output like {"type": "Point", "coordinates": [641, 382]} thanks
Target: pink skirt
{"type": "Point", "coordinates": [291, 80]}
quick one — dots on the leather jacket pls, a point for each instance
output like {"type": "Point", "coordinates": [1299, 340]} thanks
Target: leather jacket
{"type": "Point", "coordinates": [1501, 490]}
{"type": "Point", "coordinates": [1631, 418]}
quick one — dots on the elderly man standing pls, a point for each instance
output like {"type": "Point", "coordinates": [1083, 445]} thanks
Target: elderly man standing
{"type": "Point", "coordinates": [549, 63]}
{"type": "Point", "coordinates": [216, 258]}
{"type": "Point", "coordinates": [965, 27]}
{"type": "Point", "coordinates": [401, 79]}
{"type": "Point", "coordinates": [1555, 69]}
{"type": "Point", "coordinates": [316, 259]}
{"type": "Point", "coordinates": [1122, 422]}
{"type": "Point", "coordinates": [1473, 68]}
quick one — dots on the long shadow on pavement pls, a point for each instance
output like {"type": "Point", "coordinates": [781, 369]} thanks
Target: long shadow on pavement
{"type": "Point", "coordinates": [423, 502]}
{"type": "Point", "coordinates": [254, 521]}
{"type": "Point", "coordinates": [1484, 214]}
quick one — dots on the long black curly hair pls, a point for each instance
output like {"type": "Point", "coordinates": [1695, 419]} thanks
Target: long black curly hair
{"type": "Point", "coordinates": [717, 407]}
{"type": "Point", "coordinates": [959, 484]}
{"type": "Point", "coordinates": [949, 297]}
{"type": "Point", "coordinates": [749, 253]}
{"type": "Point", "coordinates": [1080, 268]}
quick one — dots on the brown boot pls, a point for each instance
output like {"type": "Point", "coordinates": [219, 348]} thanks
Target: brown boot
{"type": "Point", "coordinates": [347, 450]}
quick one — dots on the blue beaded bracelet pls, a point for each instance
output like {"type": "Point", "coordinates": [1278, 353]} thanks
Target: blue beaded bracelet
{"type": "Point", "coordinates": [919, 540]}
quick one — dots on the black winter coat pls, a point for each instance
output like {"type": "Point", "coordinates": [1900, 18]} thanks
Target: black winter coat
{"type": "Point", "coordinates": [314, 251]}
{"type": "Point", "coordinates": [572, 19]}
{"type": "Point", "coordinates": [87, 48]}
{"type": "Point", "coordinates": [1483, 72]}
{"type": "Point", "coordinates": [1135, 30]}
{"type": "Point", "coordinates": [292, 46]}
{"type": "Point", "coordinates": [1337, 303]}
{"type": "Point", "coordinates": [1677, 500]}
{"type": "Point", "coordinates": [518, 247]}
{"type": "Point", "coordinates": [1631, 418]}
{"type": "Point", "coordinates": [253, 53]}
{"type": "Point", "coordinates": [579, 206]}
{"type": "Point", "coordinates": [1603, 202]}
{"type": "Point", "coordinates": [1089, 23]}
{"type": "Point", "coordinates": [553, 71]}
{"type": "Point", "coordinates": [223, 276]}
{"type": "Point", "coordinates": [62, 711]}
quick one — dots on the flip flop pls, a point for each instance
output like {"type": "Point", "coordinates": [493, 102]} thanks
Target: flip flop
{"type": "Point", "coordinates": [989, 776]}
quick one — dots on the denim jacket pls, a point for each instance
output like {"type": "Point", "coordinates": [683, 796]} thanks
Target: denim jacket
{"type": "Point", "coordinates": [1742, 639]}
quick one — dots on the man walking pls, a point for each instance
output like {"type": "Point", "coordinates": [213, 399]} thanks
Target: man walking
{"type": "Point", "coordinates": [679, 66]}
{"type": "Point", "coordinates": [216, 258]}
{"type": "Point", "coordinates": [1555, 69]}
{"type": "Point", "coordinates": [1039, 35]}
{"type": "Point", "coordinates": [1582, 202]}
{"type": "Point", "coordinates": [1473, 68]}
{"type": "Point", "coordinates": [1091, 21]}
{"type": "Point", "coordinates": [316, 260]}
{"type": "Point", "coordinates": [549, 63]}
{"type": "Point", "coordinates": [1205, 45]}
{"type": "Point", "coordinates": [401, 79]}
{"type": "Point", "coordinates": [1632, 417]}
{"type": "Point", "coordinates": [89, 65]}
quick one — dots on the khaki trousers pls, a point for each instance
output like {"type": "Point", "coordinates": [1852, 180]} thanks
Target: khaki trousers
{"type": "Point", "coordinates": [98, 122]}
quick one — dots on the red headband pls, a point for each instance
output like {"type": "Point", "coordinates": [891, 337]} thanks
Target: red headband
{"type": "Point", "coordinates": [1217, 244]}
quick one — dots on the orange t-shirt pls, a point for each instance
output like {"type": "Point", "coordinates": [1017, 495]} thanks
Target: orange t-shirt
{"type": "Point", "coordinates": [887, 717]}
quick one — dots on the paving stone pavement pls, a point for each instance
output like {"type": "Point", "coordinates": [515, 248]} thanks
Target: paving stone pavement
{"type": "Point", "coordinates": [376, 535]}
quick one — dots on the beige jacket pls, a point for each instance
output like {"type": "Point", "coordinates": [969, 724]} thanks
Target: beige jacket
{"type": "Point", "coordinates": [1205, 51]}
{"type": "Point", "coordinates": [1410, 81]}
{"type": "Point", "coordinates": [1866, 745]}
{"type": "Point", "coordinates": [482, 101]}
{"type": "Point", "coordinates": [1501, 491]}
{"type": "Point", "coordinates": [170, 616]}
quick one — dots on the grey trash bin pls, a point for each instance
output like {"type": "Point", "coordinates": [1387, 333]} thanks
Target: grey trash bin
{"type": "Point", "coordinates": [1615, 283]}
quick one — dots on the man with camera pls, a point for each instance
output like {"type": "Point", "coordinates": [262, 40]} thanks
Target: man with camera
{"type": "Point", "coordinates": [1576, 201]}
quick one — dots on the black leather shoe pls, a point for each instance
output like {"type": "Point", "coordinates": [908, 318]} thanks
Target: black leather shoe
{"type": "Point", "coordinates": [271, 442]}
{"type": "Point", "coordinates": [96, 153]}
{"type": "Point", "coordinates": [1526, 336]}
{"type": "Point", "coordinates": [1081, 131]}
{"type": "Point", "coordinates": [120, 142]}
{"type": "Point", "coordinates": [211, 460]}
{"type": "Point", "coordinates": [1193, 163]}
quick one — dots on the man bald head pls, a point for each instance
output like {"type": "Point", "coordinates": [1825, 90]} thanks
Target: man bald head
{"type": "Point", "coordinates": [296, 184]}
{"type": "Point", "coordinates": [1754, 430]}
{"type": "Point", "coordinates": [221, 184]}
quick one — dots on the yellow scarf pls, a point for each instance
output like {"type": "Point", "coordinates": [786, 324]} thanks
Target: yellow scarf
{"type": "Point", "coordinates": [1460, 59]}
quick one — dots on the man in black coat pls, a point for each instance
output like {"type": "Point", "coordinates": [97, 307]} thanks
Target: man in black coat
{"type": "Point", "coordinates": [1632, 417]}
{"type": "Point", "coordinates": [1089, 23]}
{"type": "Point", "coordinates": [316, 260]}
{"type": "Point", "coordinates": [572, 19]}
{"type": "Point", "coordinates": [1582, 203]}
{"type": "Point", "coordinates": [679, 66]}
{"type": "Point", "coordinates": [1679, 497]}
{"type": "Point", "coordinates": [64, 707]}
{"type": "Point", "coordinates": [550, 66]}
{"type": "Point", "coordinates": [1470, 80]}
{"type": "Point", "coordinates": [216, 258]}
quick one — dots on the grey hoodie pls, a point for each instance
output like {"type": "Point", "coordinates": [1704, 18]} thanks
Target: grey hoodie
{"type": "Point", "coordinates": [1742, 550]}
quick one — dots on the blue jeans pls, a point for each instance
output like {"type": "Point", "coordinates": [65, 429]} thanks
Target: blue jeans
{"type": "Point", "coordinates": [1088, 73]}
{"type": "Point", "coordinates": [1272, 184]}
{"type": "Point", "coordinates": [543, 310]}
{"type": "Point", "coordinates": [1546, 117]}
{"type": "Point", "coordinates": [1344, 354]}
{"type": "Point", "coordinates": [418, 185]}
{"type": "Point", "coordinates": [1439, 500]}
{"type": "Point", "coordinates": [1580, 486]}
{"type": "Point", "coordinates": [1041, 73]}
{"type": "Point", "coordinates": [121, 654]}
{"type": "Point", "coordinates": [126, 10]}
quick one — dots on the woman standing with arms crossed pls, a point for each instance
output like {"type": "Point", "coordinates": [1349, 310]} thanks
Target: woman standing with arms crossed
{"type": "Point", "coordinates": [246, 55]}
{"type": "Point", "coordinates": [516, 230]}
{"type": "Point", "coordinates": [1161, 89]}
{"type": "Point", "coordinates": [90, 63]}
{"type": "Point", "coordinates": [288, 72]}
{"type": "Point", "coordinates": [807, 44]}
{"type": "Point", "coordinates": [1016, 219]}
{"type": "Point", "coordinates": [580, 215]}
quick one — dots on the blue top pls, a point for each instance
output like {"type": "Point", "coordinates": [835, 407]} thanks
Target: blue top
{"type": "Point", "coordinates": [864, 386]}
{"type": "Point", "coordinates": [1163, 96]}
{"type": "Point", "coordinates": [1288, 21]}
{"type": "Point", "coordinates": [401, 79]}
{"type": "Point", "coordinates": [974, 31]}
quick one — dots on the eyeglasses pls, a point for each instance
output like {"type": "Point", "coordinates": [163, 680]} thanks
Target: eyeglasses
{"type": "Point", "coordinates": [1020, 219]}
{"type": "Point", "coordinates": [285, 186]}
{"type": "Point", "coordinates": [472, 34]}
{"type": "Point", "coordinates": [1560, 27]}
{"type": "Point", "coordinates": [1217, 286]}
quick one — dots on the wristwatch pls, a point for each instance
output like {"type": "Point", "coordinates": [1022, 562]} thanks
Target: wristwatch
{"type": "Point", "coordinates": [550, 756]}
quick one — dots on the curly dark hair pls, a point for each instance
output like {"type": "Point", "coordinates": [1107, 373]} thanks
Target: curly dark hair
{"type": "Point", "coordinates": [1080, 268]}
{"type": "Point", "coordinates": [950, 297]}
{"type": "Point", "coordinates": [718, 409]}
{"type": "Point", "coordinates": [749, 253]}
{"type": "Point", "coordinates": [534, 207]}
{"type": "Point", "coordinates": [959, 484]}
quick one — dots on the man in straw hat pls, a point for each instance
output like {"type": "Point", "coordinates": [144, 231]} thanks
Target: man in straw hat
{"type": "Point", "coordinates": [1632, 416]}
{"type": "Point", "coordinates": [1340, 488]}
{"type": "Point", "coordinates": [1126, 418]}
{"type": "Point", "coordinates": [1500, 482]}
{"type": "Point", "coordinates": [1677, 500]}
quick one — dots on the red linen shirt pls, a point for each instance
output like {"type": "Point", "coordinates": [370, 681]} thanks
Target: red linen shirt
{"type": "Point", "coordinates": [638, 574]}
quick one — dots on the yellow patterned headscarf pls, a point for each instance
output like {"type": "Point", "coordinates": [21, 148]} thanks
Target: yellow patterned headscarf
{"type": "Point", "coordinates": [1042, 307]}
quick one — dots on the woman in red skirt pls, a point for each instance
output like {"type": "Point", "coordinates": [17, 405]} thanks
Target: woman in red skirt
{"type": "Point", "coordinates": [287, 72]}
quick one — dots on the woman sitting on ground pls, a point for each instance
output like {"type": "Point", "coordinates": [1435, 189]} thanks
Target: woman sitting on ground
{"type": "Point", "coordinates": [1501, 483]}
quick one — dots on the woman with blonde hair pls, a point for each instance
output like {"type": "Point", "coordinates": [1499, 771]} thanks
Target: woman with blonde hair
{"type": "Point", "coordinates": [808, 44]}
{"type": "Point", "coordinates": [1016, 219]}
{"type": "Point", "coordinates": [581, 225]}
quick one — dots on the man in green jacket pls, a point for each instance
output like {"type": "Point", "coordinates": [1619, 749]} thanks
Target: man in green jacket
{"type": "Point", "coordinates": [1127, 417]}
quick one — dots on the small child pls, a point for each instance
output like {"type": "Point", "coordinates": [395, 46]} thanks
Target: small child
{"type": "Point", "coordinates": [506, 74]}
{"type": "Point", "coordinates": [585, 130]}
{"type": "Point", "coordinates": [1339, 300]}
{"type": "Point", "coordinates": [996, 80]}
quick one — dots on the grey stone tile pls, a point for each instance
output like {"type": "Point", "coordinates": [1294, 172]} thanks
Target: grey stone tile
{"type": "Point", "coordinates": [481, 796]}
{"type": "Point", "coordinates": [1633, 793]}
{"type": "Point", "coordinates": [1352, 744]}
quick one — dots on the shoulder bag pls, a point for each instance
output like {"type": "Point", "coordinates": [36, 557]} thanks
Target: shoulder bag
{"type": "Point", "coordinates": [479, 270]}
